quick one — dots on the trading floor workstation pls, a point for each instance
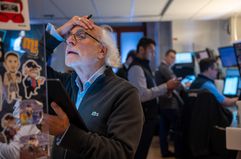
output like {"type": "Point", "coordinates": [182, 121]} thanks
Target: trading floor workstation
{"type": "Point", "coordinates": [228, 82]}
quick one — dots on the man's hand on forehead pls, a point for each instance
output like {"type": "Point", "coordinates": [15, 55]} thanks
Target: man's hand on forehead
{"type": "Point", "coordinates": [84, 22]}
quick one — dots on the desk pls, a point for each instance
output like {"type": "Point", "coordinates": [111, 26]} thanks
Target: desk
{"type": "Point", "coordinates": [233, 135]}
{"type": "Point", "coordinates": [233, 138]}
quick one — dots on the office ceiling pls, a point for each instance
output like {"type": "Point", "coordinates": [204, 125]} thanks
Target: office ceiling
{"type": "Point", "coordinates": [42, 11]}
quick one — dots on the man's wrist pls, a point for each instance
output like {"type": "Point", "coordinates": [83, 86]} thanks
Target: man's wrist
{"type": "Point", "coordinates": [60, 137]}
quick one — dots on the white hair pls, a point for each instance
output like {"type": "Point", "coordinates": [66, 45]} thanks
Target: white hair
{"type": "Point", "coordinates": [113, 56]}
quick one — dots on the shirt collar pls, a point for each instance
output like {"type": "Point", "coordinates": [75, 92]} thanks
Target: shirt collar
{"type": "Point", "coordinates": [164, 62]}
{"type": "Point", "coordinates": [205, 77]}
{"type": "Point", "coordinates": [125, 65]}
{"type": "Point", "coordinates": [91, 80]}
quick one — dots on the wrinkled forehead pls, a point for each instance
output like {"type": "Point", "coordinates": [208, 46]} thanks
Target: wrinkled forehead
{"type": "Point", "coordinates": [96, 31]}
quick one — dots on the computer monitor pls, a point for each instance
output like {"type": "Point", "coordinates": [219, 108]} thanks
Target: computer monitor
{"type": "Point", "coordinates": [227, 56]}
{"type": "Point", "coordinates": [230, 88]}
{"type": "Point", "coordinates": [237, 50]}
{"type": "Point", "coordinates": [202, 54]}
{"type": "Point", "coordinates": [184, 58]}
{"type": "Point", "coordinates": [232, 72]}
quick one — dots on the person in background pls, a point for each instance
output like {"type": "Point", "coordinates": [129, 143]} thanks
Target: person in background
{"type": "Point", "coordinates": [140, 75]}
{"type": "Point", "coordinates": [168, 103]}
{"type": "Point", "coordinates": [109, 105]}
{"type": "Point", "coordinates": [122, 72]}
{"type": "Point", "coordinates": [205, 80]}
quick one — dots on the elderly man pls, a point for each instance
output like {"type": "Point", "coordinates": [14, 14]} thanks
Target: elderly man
{"type": "Point", "coordinates": [109, 105]}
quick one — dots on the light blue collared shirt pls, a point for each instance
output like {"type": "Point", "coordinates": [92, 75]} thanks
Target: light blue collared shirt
{"type": "Point", "coordinates": [86, 85]}
{"type": "Point", "coordinates": [52, 31]}
{"type": "Point", "coordinates": [213, 89]}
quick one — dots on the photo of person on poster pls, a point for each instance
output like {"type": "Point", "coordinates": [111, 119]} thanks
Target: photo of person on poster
{"type": "Point", "coordinates": [32, 80]}
{"type": "Point", "coordinates": [13, 133]}
{"type": "Point", "coordinates": [1, 93]}
{"type": "Point", "coordinates": [12, 76]}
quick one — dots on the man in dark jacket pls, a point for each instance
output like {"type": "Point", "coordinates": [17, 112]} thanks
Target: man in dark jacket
{"type": "Point", "coordinates": [168, 103]}
{"type": "Point", "coordinates": [140, 75]}
{"type": "Point", "coordinates": [109, 105]}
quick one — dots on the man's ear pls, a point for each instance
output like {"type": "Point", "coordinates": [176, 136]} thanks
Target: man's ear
{"type": "Point", "coordinates": [141, 49]}
{"type": "Point", "coordinates": [103, 52]}
{"type": "Point", "coordinates": [209, 69]}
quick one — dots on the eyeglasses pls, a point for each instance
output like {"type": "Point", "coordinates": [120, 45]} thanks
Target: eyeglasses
{"type": "Point", "coordinates": [81, 35]}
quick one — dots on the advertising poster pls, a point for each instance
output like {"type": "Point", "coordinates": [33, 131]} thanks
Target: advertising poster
{"type": "Point", "coordinates": [14, 15]}
{"type": "Point", "coordinates": [23, 96]}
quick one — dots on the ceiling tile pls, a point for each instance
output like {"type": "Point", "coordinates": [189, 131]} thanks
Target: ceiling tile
{"type": "Point", "coordinates": [184, 9]}
{"type": "Point", "coordinates": [75, 7]}
{"type": "Point", "coordinates": [133, 10]}
{"type": "Point", "coordinates": [113, 8]}
{"type": "Point", "coordinates": [151, 7]}
{"type": "Point", "coordinates": [60, 8]}
{"type": "Point", "coordinates": [36, 8]}
{"type": "Point", "coordinates": [219, 8]}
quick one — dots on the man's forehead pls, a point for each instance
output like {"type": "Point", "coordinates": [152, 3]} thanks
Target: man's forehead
{"type": "Point", "coordinates": [172, 54]}
{"type": "Point", "coordinates": [151, 46]}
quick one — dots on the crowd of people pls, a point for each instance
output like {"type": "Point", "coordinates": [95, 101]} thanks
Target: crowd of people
{"type": "Point", "coordinates": [122, 113]}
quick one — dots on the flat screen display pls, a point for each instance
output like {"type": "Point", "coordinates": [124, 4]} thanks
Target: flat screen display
{"type": "Point", "coordinates": [184, 58]}
{"type": "Point", "coordinates": [231, 86]}
{"type": "Point", "coordinates": [237, 50]}
{"type": "Point", "coordinates": [227, 56]}
{"type": "Point", "coordinates": [202, 55]}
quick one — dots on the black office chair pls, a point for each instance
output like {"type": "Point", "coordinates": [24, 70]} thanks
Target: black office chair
{"type": "Point", "coordinates": [189, 98]}
{"type": "Point", "coordinates": [202, 123]}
